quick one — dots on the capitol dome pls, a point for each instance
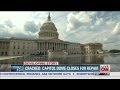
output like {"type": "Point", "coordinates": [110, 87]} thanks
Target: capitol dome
{"type": "Point", "coordinates": [48, 30]}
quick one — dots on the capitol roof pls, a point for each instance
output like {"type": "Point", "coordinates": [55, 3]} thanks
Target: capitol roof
{"type": "Point", "coordinates": [48, 24]}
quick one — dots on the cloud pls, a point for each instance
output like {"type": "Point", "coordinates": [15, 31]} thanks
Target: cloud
{"type": "Point", "coordinates": [7, 30]}
{"type": "Point", "coordinates": [83, 17]}
{"type": "Point", "coordinates": [113, 41]}
{"type": "Point", "coordinates": [38, 15]}
{"type": "Point", "coordinates": [98, 26]}
{"type": "Point", "coordinates": [116, 29]}
{"type": "Point", "coordinates": [2, 26]}
{"type": "Point", "coordinates": [6, 26]}
{"type": "Point", "coordinates": [99, 21]}
{"type": "Point", "coordinates": [30, 26]}
{"type": "Point", "coordinates": [72, 22]}
{"type": "Point", "coordinates": [24, 35]}
{"type": "Point", "coordinates": [77, 20]}
{"type": "Point", "coordinates": [4, 34]}
{"type": "Point", "coordinates": [9, 24]}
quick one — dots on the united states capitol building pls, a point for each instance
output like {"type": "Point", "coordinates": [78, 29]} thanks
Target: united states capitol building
{"type": "Point", "coordinates": [48, 41]}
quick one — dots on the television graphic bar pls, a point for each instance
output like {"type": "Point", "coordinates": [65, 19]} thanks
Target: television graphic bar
{"type": "Point", "coordinates": [40, 63]}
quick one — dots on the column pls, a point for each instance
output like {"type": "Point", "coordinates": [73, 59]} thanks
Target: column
{"type": "Point", "coordinates": [38, 46]}
{"type": "Point", "coordinates": [65, 47]}
{"type": "Point", "coordinates": [42, 46]}
{"type": "Point", "coordinates": [55, 46]}
{"type": "Point", "coordinates": [47, 45]}
{"type": "Point", "coordinates": [60, 46]}
{"type": "Point", "coordinates": [50, 45]}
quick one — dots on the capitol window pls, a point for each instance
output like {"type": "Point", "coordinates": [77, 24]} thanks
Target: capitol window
{"type": "Point", "coordinates": [18, 47]}
{"type": "Point", "coordinates": [14, 47]}
{"type": "Point", "coordinates": [23, 47]}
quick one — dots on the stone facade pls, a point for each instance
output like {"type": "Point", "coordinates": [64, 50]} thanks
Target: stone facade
{"type": "Point", "coordinates": [93, 48]}
{"type": "Point", "coordinates": [75, 48]}
{"type": "Point", "coordinates": [17, 47]}
{"type": "Point", "coordinates": [4, 47]}
{"type": "Point", "coordinates": [54, 44]}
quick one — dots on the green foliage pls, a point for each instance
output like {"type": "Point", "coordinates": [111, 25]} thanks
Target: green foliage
{"type": "Point", "coordinates": [114, 51]}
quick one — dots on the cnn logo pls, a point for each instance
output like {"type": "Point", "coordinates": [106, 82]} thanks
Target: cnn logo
{"type": "Point", "coordinates": [104, 68]}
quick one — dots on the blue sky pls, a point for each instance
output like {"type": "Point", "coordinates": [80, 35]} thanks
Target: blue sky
{"type": "Point", "coordinates": [75, 26]}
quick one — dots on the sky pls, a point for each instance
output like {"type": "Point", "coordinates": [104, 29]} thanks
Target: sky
{"type": "Point", "coordinates": [74, 26]}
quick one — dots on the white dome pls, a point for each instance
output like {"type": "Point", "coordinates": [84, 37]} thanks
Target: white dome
{"type": "Point", "coordinates": [48, 30]}
{"type": "Point", "coordinates": [48, 25]}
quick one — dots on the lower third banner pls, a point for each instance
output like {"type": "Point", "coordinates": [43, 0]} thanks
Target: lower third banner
{"type": "Point", "coordinates": [55, 68]}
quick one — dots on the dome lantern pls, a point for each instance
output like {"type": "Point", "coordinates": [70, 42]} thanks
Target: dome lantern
{"type": "Point", "coordinates": [49, 18]}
